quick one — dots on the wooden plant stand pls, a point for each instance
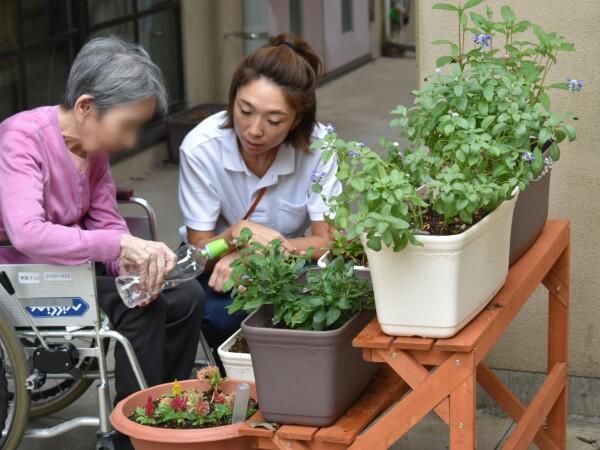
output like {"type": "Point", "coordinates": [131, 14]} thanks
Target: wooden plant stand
{"type": "Point", "coordinates": [450, 390]}
{"type": "Point", "coordinates": [385, 389]}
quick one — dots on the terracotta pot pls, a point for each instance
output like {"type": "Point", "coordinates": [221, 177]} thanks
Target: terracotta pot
{"type": "Point", "coordinates": [151, 438]}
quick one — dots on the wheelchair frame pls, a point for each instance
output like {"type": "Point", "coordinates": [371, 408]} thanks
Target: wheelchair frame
{"type": "Point", "coordinates": [98, 330]}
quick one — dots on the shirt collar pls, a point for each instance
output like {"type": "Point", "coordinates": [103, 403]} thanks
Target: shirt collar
{"type": "Point", "coordinates": [284, 163]}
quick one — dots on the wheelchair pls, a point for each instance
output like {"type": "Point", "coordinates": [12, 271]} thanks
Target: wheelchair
{"type": "Point", "coordinates": [54, 340]}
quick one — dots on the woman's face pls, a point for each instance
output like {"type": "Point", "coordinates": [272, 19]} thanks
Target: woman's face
{"type": "Point", "coordinates": [262, 117]}
{"type": "Point", "coordinates": [116, 128]}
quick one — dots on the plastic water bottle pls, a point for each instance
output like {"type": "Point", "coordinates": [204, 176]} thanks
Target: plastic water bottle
{"type": "Point", "coordinates": [191, 262]}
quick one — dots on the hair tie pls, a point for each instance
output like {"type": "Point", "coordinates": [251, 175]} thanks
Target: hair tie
{"type": "Point", "coordinates": [289, 44]}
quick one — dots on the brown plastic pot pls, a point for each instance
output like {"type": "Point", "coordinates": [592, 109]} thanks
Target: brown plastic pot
{"type": "Point", "coordinates": [306, 377]}
{"type": "Point", "coordinates": [151, 438]}
{"type": "Point", "coordinates": [529, 217]}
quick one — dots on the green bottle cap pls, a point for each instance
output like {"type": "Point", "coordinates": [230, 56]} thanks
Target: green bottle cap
{"type": "Point", "coordinates": [216, 248]}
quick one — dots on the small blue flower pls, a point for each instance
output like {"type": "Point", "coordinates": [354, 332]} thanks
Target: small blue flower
{"type": "Point", "coordinates": [329, 128]}
{"type": "Point", "coordinates": [528, 156]}
{"type": "Point", "coordinates": [316, 177]}
{"type": "Point", "coordinates": [360, 144]}
{"type": "Point", "coordinates": [353, 154]}
{"type": "Point", "coordinates": [574, 85]}
{"type": "Point", "coordinates": [482, 40]}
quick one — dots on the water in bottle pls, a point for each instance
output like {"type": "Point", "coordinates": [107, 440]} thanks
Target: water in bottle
{"type": "Point", "coordinates": [191, 262]}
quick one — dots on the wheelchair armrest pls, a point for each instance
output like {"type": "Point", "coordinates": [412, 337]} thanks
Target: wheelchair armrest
{"type": "Point", "coordinates": [124, 194]}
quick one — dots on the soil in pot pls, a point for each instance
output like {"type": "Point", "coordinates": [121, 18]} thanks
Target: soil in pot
{"type": "Point", "coordinates": [240, 345]}
{"type": "Point", "coordinates": [306, 377]}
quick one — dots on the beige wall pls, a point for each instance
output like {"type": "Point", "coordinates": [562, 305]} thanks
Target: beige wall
{"type": "Point", "coordinates": [575, 180]}
{"type": "Point", "coordinates": [210, 58]}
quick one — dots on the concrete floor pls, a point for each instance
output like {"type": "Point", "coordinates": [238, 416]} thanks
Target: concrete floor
{"type": "Point", "coordinates": [358, 105]}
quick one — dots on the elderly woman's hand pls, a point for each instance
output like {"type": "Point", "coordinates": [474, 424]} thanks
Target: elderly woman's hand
{"type": "Point", "coordinates": [154, 260]}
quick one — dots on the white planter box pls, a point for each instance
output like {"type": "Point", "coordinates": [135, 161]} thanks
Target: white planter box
{"type": "Point", "coordinates": [360, 271]}
{"type": "Point", "coordinates": [238, 366]}
{"type": "Point", "coordinates": [436, 289]}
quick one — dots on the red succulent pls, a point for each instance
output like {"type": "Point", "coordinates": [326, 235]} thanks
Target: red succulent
{"type": "Point", "coordinates": [219, 397]}
{"type": "Point", "coordinates": [149, 408]}
{"type": "Point", "coordinates": [179, 403]}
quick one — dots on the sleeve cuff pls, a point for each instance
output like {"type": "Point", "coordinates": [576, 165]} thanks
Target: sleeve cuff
{"type": "Point", "coordinates": [105, 245]}
{"type": "Point", "coordinates": [200, 226]}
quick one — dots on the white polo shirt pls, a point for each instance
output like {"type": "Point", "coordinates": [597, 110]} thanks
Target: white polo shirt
{"type": "Point", "coordinates": [216, 188]}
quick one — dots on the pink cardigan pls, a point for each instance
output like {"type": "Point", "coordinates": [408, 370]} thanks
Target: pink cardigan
{"type": "Point", "coordinates": [51, 212]}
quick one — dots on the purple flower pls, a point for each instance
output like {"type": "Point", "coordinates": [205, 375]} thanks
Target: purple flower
{"type": "Point", "coordinates": [353, 154]}
{"type": "Point", "coordinates": [360, 144]}
{"type": "Point", "coordinates": [315, 176]}
{"type": "Point", "coordinates": [329, 128]}
{"type": "Point", "coordinates": [574, 85]}
{"type": "Point", "coordinates": [528, 156]}
{"type": "Point", "coordinates": [482, 40]}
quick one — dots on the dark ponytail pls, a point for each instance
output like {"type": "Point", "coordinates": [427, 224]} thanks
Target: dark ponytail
{"type": "Point", "coordinates": [294, 66]}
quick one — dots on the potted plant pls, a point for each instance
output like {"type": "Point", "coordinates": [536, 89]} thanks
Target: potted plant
{"type": "Point", "coordinates": [435, 218]}
{"type": "Point", "coordinates": [300, 335]}
{"type": "Point", "coordinates": [506, 42]}
{"type": "Point", "coordinates": [235, 356]}
{"type": "Point", "coordinates": [191, 414]}
{"type": "Point", "coordinates": [350, 250]}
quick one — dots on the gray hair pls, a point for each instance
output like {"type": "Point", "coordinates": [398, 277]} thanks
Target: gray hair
{"type": "Point", "coordinates": [115, 72]}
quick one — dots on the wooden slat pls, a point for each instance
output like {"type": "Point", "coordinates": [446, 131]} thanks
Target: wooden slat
{"type": "Point", "coordinates": [247, 430]}
{"type": "Point", "coordinates": [290, 444]}
{"type": "Point", "coordinates": [463, 426]}
{"type": "Point", "coordinates": [558, 345]}
{"type": "Point", "coordinates": [535, 415]}
{"type": "Point", "coordinates": [432, 357]}
{"type": "Point", "coordinates": [385, 389]}
{"type": "Point", "coordinates": [415, 405]}
{"type": "Point", "coordinates": [510, 403]}
{"type": "Point", "coordinates": [412, 343]}
{"type": "Point", "coordinates": [414, 374]}
{"type": "Point", "coordinates": [297, 432]}
{"type": "Point", "coordinates": [521, 281]}
{"type": "Point", "coordinates": [372, 337]}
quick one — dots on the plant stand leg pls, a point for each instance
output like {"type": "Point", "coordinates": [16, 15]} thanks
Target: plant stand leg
{"type": "Point", "coordinates": [558, 344]}
{"type": "Point", "coordinates": [463, 426]}
{"type": "Point", "coordinates": [104, 441]}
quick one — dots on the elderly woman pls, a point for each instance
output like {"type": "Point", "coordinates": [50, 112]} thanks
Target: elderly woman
{"type": "Point", "coordinates": [252, 167]}
{"type": "Point", "coordinates": [58, 202]}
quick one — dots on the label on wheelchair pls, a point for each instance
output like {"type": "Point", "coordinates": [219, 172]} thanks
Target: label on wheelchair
{"type": "Point", "coordinates": [58, 307]}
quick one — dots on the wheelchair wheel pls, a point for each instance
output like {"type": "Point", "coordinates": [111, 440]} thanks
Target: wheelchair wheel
{"type": "Point", "coordinates": [15, 408]}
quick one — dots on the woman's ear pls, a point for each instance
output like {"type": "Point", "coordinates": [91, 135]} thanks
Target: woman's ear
{"type": "Point", "coordinates": [83, 107]}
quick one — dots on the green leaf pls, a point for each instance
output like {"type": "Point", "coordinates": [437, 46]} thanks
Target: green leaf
{"type": "Point", "coordinates": [562, 86]}
{"type": "Point", "coordinates": [333, 314]}
{"type": "Point", "coordinates": [319, 319]}
{"type": "Point", "coordinates": [488, 92]}
{"type": "Point", "coordinates": [508, 14]}
{"type": "Point", "coordinates": [458, 90]}
{"type": "Point", "coordinates": [571, 132]}
{"type": "Point", "coordinates": [443, 60]}
{"type": "Point", "coordinates": [445, 7]}
{"type": "Point", "coordinates": [544, 136]}
{"type": "Point", "coordinates": [485, 123]}
{"type": "Point", "coordinates": [554, 152]}
{"type": "Point", "coordinates": [545, 101]}
{"type": "Point", "coordinates": [472, 4]}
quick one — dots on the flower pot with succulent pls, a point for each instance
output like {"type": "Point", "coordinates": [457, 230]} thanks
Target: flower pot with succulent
{"type": "Point", "coordinates": [435, 217]}
{"type": "Point", "coordinates": [235, 356]}
{"type": "Point", "coordinates": [191, 414]}
{"type": "Point", "coordinates": [300, 335]}
{"type": "Point", "coordinates": [505, 41]}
